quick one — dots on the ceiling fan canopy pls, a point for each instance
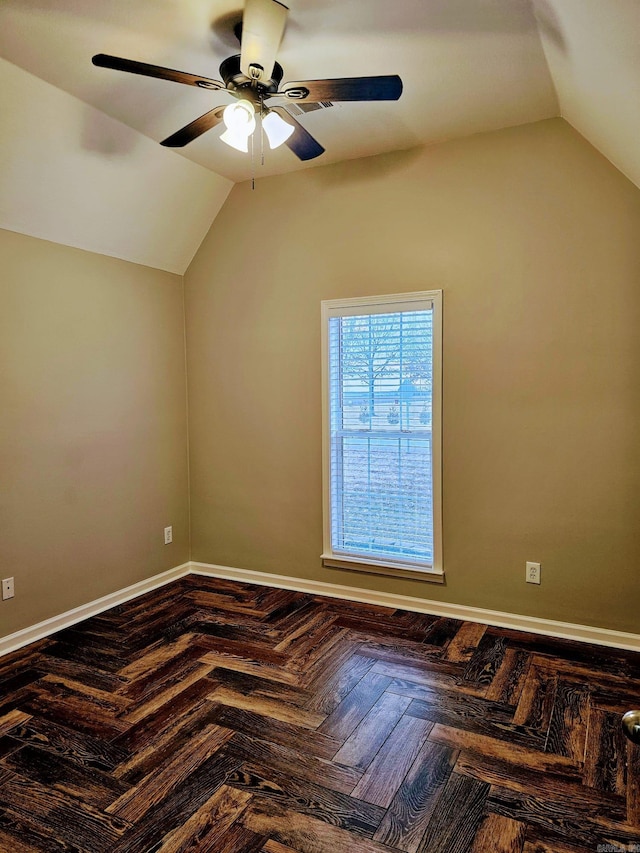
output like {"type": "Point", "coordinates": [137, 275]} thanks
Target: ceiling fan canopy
{"type": "Point", "coordinates": [254, 76]}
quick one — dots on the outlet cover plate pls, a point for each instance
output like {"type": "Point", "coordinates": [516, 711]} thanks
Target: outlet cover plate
{"type": "Point", "coordinates": [533, 573]}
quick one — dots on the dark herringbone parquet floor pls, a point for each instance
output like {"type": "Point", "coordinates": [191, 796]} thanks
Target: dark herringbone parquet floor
{"type": "Point", "coordinates": [216, 717]}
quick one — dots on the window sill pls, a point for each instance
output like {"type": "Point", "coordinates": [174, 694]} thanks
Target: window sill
{"type": "Point", "coordinates": [393, 570]}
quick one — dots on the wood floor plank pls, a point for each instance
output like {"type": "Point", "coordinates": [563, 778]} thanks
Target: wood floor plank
{"type": "Point", "coordinates": [91, 786]}
{"type": "Point", "coordinates": [475, 716]}
{"type": "Point", "coordinates": [307, 633]}
{"type": "Point", "coordinates": [54, 813]}
{"type": "Point", "coordinates": [391, 764]}
{"type": "Point", "coordinates": [308, 798]}
{"type": "Point", "coordinates": [238, 839]}
{"type": "Point", "coordinates": [275, 847]}
{"type": "Point", "coordinates": [69, 707]}
{"type": "Point", "coordinates": [551, 817]}
{"type": "Point", "coordinates": [545, 785]}
{"type": "Point", "coordinates": [151, 754]}
{"type": "Point", "coordinates": [12, 720]}
{"type": "Point", "coordinates": [416, 800]}
{"type": "Point", "coordinates": [177, 806]}
{"type": "Point", "coordinates": [442, 631]}
{"type": "Point", "coordinates": [395, 650]}
{"type": "Point", "coordinates": [505, 751]}
{"type": "Point", "coordinates": [136, 801]}
{"type": "Point", "coordinates": [361, 746]}
{"type": "Point", "coordinates": [606, 753]}
{"type": "Point", "coordinates": [156, 701]}
{"type": "Point", "coordinates": [331, 689]}
{"type": "Point", "coordinates": [316, 743]}
{"type": "Point", "coordinates": [283, 759]}
{"type": "Point", "coordinates": [205, 830]}
{"type": "Point", "coordinates": [250, 666]}
{"type": "Point", "coordinates": [355, 706]}
{"type": "Point", "coordinates": [7, 747]}
{"type": "Point", "coordinates": [537, 845]}
{"type": "Point", "coordinates": [82, 673]}
{"type": "Point", "coordinates": [510, 677]}
{"type": "Point", "coordinates": [499, 835]}
{"type": "Point", "coordinates": [5, 774]}
{"type": "Point", "coordinates": [147, 730]}
{"type": "Point", "coordinates": [536, 703]}
{"type": "Point", "coordinates": [260, 687]}
{"type": "Point", "coordinates": [485, 660]}
{"type": "Point", "coordinates": [155, 656]}
{"type": "Point", "coordinates": [274, 708]}
{"type": "Point", "coordinates": [303, 833]}
{"type": "Point", "coordinates": [568, 725]}
{"type": "Point", "coordinates": [433, 674]}
{"type": "Point", "coordinates": [172, 672]}
{"type": "Point", "coordinates": [452, 829]}
{"type": "Point", "coordinates": [16, 845]}
{"type": "Point", "coordinates": [465, 642]}
{"type": "Point", "coordinates": [18, 835]}
{"type": "Point", "coordinates": [633, 786]}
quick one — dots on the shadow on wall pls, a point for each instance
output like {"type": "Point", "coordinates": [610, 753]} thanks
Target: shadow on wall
{"type": "Point", "coordinates": [104, 135]}
{"type": "Point", "coordinates": [365, 169]}
{"type": "Point", "coordinates": [548, 24]}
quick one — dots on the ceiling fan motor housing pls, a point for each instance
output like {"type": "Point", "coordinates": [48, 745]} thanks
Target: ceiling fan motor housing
{"type": "Point", "coordinates": [237, 82]}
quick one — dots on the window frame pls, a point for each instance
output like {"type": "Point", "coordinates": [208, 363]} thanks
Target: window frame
{"type": "Point", "coordinates": [386, 304]}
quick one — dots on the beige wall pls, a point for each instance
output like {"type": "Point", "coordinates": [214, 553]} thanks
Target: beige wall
{"type": "Point", "coordinates": [535, 240]}
{"type": "Point", "coordinates": [92, 426]}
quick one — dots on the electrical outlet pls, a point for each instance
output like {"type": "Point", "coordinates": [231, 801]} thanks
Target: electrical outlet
{"type": "Point", "coordinates": [7, 589]}
{"type": "Point", "coordinates": [533, 573]}
{"type": "Point", "coordinates": [168, 535]}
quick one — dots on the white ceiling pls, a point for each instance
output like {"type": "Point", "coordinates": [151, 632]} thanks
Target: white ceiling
{"type": "Point", "coordinates": [468, 66]}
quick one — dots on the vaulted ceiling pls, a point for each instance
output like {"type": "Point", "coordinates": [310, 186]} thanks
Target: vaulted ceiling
{"type": "Point", "coordinates": [85, 139]}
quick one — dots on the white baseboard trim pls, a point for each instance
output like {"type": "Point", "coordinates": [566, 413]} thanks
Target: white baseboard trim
{"type": "Point", "coordinates": [514, 621]}
{"type": "Point", "coordinates": [12, 642]}
{"type": "Point", "coordinates": [550, 627]}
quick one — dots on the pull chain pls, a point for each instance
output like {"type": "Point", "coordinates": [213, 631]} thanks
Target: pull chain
{"type": "Point", "coordinates": [253, 166]}
{"type": "Point", "coordinates": [261, 131]}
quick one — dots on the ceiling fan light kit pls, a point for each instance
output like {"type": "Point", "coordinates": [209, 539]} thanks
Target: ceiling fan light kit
{"type": "Point", "coordinates": [252, 77]}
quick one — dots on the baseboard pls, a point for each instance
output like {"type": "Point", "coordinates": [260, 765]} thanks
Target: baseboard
{"type": "Point", "coordinates": [550, 627]}
{"type": "Point", "coordinates": [12, 642]}
{"type": "Point", "coordinates": [517, 622]}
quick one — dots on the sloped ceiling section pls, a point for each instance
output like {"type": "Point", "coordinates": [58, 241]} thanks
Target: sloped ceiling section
{"type": "Point", "coordinates": [72, 175]}
{"type": "Point", "coordinates": [593, 51]}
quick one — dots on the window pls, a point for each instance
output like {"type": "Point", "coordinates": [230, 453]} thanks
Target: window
{"type": "Point", "coordinates": [381, 442]}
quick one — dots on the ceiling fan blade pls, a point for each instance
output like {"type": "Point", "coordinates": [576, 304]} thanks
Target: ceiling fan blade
{"type": "Point", "coordinates": [196, 128]}
{"type": "Point", "coordinates": [103, 60]}
{"type": "Point", "coordinates": [263, 26]}
{"type": "Point", "coordinates": [303, 145]}
{"type": "Point", "coordinates": [385, 88]}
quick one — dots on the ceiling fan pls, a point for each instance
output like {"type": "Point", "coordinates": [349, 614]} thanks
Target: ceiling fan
{"type": "Point", "coordinates": [252, 77]}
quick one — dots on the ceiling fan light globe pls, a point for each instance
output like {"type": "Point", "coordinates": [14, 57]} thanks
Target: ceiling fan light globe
{"type": "Point", "coordinates": [237, 139]}
{"type": "Point", "coordinates": [277, 129]}
{"type": "Point", "coordinates": [240, 116]}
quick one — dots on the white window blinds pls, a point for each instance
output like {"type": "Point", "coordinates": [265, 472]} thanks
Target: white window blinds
{"type": "Point", "coordinates": [380, 374]}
